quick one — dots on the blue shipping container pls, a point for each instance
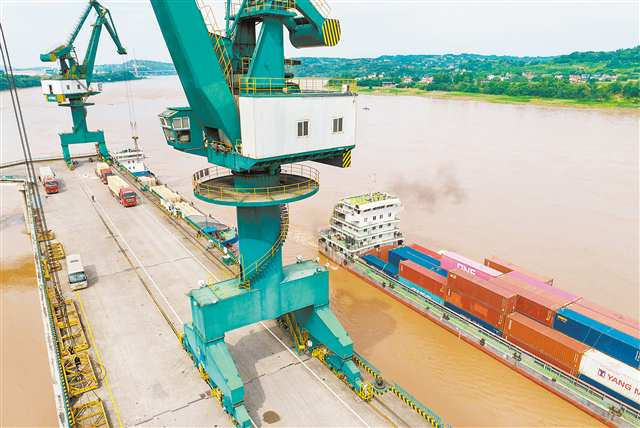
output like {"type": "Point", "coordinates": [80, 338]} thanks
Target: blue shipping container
{"type": "Point", "coordinates": [400, 254]}
{"type": "Point", "coordinates": [374, 261]}
{"type": "Point", "coordinates": [605, 339]}
{"type": "Point", "coordinates": [609, 391]}
{"type": "Point", "coordinates": [474, 318]}
{"type": "Point", "coordinates": [421, 290]}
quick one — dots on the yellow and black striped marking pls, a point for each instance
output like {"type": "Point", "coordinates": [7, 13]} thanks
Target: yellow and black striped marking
{"type": "Point", "coordinates": [429, 418]}
{"type": "Point", "coordinates": [331, 32]}
{"type": "Point", "coordinates": [346, 158]}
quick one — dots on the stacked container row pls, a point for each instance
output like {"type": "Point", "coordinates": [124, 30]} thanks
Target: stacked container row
{"type": "Point", "coordinates": [422, 280]}
{"type": "Point", "coordinates": [482, 301]}
{"type": "Point", "coordinates": [603, 333]}
{"type": "Point", "coordinates": [407, 253]}
{"type": "Point", "coordinates": [536, 300]}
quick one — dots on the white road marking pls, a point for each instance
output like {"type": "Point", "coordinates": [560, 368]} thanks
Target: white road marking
{"type": "Point", "coordinates": [135, 256]}
{"type": "Point", "coordinates": [180, 243]}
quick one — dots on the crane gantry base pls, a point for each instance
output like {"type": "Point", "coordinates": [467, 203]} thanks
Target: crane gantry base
{"type": "Point", "coordinates": [303, 294]}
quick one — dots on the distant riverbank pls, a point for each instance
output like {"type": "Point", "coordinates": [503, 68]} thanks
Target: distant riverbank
{"type": "Point", "coordinates": [625, 104]}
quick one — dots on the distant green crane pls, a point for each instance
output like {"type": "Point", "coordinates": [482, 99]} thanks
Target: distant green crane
{"type": "Point", "coordinates": [72, 86]}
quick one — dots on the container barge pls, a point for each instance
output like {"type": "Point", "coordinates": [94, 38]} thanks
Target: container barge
{"type": "Point", "coordinates": [583, 352]}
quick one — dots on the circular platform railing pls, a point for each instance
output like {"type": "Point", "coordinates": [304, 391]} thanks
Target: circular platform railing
{"type": "Point", "coordinates": [217, 184]}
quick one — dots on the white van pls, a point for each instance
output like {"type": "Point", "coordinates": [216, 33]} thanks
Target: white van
{"type": "Point", "coordinates": [75, 271]}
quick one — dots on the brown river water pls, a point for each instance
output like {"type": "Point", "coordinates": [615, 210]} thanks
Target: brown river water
{"type": "Point", "coordinates": [552, 189]}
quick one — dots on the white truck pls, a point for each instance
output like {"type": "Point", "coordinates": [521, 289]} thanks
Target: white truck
{"type": "Point", "coordinates": [76, 273]}
{"type": "Point", "coordinates": [121, 191]}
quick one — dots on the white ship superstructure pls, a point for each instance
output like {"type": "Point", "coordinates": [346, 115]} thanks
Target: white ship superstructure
{"type": "Point", "coordinates": [361, 223]}
{"type": "Point", "coordinates": [132, 159]}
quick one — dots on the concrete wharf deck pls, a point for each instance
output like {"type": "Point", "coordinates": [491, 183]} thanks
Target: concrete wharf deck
{"type": "Point", "coordinates": [140, 269]}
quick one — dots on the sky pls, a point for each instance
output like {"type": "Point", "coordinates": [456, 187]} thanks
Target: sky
{"type": "Point", "coordinates": [369, 28]}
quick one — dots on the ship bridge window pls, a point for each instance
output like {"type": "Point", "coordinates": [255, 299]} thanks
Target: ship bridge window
{"type": "Point", "coordinates": [303, 128]}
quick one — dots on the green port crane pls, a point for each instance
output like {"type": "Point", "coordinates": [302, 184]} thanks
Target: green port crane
{"type": "Point", "coordinates": [73, 84]}
{"type": "Point", "coordinates": [254, 120]}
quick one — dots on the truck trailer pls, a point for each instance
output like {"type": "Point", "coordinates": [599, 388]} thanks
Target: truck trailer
{"type": "Point", "coordinates": [103, 171]}
{"type": "Point", "coordinates": [49, 180]}
{"type": "Point", "coordinates": [121, 191]}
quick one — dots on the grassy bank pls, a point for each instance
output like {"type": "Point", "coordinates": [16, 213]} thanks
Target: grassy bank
{"type": "Point", "coordinates": [614, 103]}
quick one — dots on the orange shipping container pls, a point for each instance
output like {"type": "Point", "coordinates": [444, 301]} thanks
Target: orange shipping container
{"type": "Point", "coordinates": [425, 278]}
{"type": "Point", "coordinates": [506, 267]}
{"type": "Point", "coordinates": [488, 293]}
{"type": "Point", "coordinates": [487, 314]}
{"type": "Point", "coordinates": [544, 342]}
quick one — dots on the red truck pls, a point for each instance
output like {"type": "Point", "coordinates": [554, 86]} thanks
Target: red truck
{"type": "Point", "coordinates": [49, 180]}
{"type": "Point", "coordinates": [121, 191]}
{"type": "Point", "coordinates": [103, 171]}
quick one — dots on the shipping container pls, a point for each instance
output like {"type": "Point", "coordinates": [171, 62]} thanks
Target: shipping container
{"type": "Point", "coordinates": [186, 210]}
{"type": "Point", "coordinates": [553, 294]}
{"type": "Point", "coordinates": [490, 294]}
{"type": "Point", "coordinates": [451, 260]}
{"type": "Point", "coordinates": [506, 267]}
{"type": "Point", "coordinates": [604, 338]}
{"type": "Point", "coordinates": [608, 317]}
{"type": "Point", "coordinates": [422, 277]}
{"type": "Point", "coordinates": [382, 252]}
{"type": "Point", "coordinates": [426, 251]}
{"type": "Point", "coordinates": [419, 290]}
{"type": "Point", "coordinates": [374, 261]}
{"type": "Point", "coordinates": [165, 193]}
{"type": "Point", "coordinates": [532, 304]}
{"type": "Point", "coordinates": [477, 313]}
{"type": "Point", "coordinates": [611, 376]}
{"type": "Point", "coordinates": [545, 342]}
{"type": "Point", "coordinates": [405, 253]}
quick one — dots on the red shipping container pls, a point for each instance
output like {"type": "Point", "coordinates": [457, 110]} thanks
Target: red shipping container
{"type": "Point", "coordinates": [486, 292]}
{"type": "Point", "coordinates": [425, 278]}
{"type": "Point", "coordinates": [537, 307]}
{"type": "Point", "coordinates": [506, 267]}
{"type": "Point", "coordinates": [426, 251]}
{"type": "Point", "coordinates": [553, 294]}
{"type": "Point", "coordinates": [544, 342]}
{"type": "Point", "coordinates": [382, 252]}
{"type": "Point", "coordinates": [608, 317]}
{"type": "Point", "coordinates": [492, 316]}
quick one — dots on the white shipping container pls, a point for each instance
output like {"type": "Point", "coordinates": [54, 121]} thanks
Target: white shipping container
{"type": "Point", "coordinates": [166, 194]}
{"type": "Point", "coordinates": [148, 180]}
{"type": "Point", "coordinates": [615, 375]}
{"type": "Point", "coordinates": [187, 210]}
{"type": "Point", "coordinates": [46, 171]}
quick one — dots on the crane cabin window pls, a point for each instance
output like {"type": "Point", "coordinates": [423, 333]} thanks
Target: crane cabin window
{"type": "Point", "coordinates": [337, 125]}
{"type": "Point", "coordinates": [303, 128]}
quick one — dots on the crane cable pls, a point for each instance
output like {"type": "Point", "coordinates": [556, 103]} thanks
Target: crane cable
{"type": "Point", "coordinates": [130, 105]}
